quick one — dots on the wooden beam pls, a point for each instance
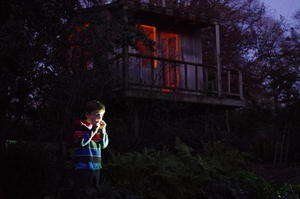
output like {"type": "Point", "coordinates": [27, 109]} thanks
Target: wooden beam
{"type": "Point", "coordinates": [177, 97]}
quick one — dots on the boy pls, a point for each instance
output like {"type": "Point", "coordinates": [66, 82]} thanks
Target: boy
{"type": "Point", "coordinates": [89, 137]}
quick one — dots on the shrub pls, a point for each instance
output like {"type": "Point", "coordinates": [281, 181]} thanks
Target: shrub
{"type": "Point", "coordinates": [218, 172]}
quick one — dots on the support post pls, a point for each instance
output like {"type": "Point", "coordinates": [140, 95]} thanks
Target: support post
{"type": "Point", "coordinates": [218, 59]}
{"type": "Point", "coordinates": [125, 64]}
{"type": "Point", "coordinates": [241, 85]}
{"type": "Point", "coordinates": [136, 123]}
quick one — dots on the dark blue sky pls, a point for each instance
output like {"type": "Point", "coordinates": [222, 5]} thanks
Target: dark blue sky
{"type": "Point", "coordinates": [287, 8]}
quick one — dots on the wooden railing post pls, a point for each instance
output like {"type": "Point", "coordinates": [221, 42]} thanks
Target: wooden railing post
{"type": "Point", "coordinates": [206, 83]}
{"type": "Point", "coordinates": [152, 71]}
{"type": "Point", "coordinates": [218, 60]}
{"type": "Point", "coordinates": [229, 81]}
{"type": "Point", "coordinates": [241, 85]}
{"type": "Point", "coordinates": [196, 78]}
{"type": "Point", "coordinates": [163, 73]}
{"type": "Point", "coordinates": [185, 76]}
{"type": "Point", "coordinates": [125, 66]}
{"type": "Point", "coordinates": [174, 76]}
{"type": "Point", "coordinates": [125, 53]}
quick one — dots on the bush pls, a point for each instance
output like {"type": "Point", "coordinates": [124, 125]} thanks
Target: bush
{"type": "Point", "coordinates": [219, 172]}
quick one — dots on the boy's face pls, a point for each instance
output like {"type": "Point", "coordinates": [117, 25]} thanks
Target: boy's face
{"type": "Point", "coordinates": [95, 117]}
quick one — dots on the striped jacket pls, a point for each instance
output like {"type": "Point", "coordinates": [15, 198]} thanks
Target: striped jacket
{"type": "Point", "coordinates": [88, 143]}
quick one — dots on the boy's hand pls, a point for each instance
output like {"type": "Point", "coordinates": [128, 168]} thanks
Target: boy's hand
{"type": "Point", "coordinates": [102, 124]}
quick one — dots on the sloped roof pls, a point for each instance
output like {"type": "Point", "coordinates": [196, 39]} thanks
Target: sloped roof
{"type": "Point", "coordinates": [150, 13]}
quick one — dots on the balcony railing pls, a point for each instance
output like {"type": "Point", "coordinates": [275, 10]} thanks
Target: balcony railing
{"type": "Point", "coordinates": [173, 76]}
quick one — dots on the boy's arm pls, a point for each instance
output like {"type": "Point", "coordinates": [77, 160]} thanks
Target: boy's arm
{"type": "Point", "coordinates": [84, 137]}
{"type": "Point", "coordinates": [105, 140]}
{"type": "Point", "coordinates": [88, 137]}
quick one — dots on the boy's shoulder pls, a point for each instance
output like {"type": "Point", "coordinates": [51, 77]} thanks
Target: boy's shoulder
{"type": "Point", "coordinates": [82, 125]}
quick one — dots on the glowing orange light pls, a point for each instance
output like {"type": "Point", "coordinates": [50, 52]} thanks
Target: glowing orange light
{"type": "Point", "coordinates": [150, 32]}
{"type": "Point", "coordinates": [75, 48]}
{"type": "Point", "coordinates": [170, 50]}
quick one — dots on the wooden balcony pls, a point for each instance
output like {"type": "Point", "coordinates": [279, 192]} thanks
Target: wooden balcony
{"type": "Point", "coordinates": [164, 79]}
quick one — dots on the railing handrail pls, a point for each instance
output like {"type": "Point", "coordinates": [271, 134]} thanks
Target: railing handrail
{"type": "Point", "coordinates": [228, 71]}
{"type": "Point", "coordinates": [181, 62]}
{"type": "Point", "coordinates": [172, 60]}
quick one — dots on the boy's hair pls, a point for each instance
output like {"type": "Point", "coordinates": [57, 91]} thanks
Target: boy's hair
{"type": "Point", "coordinates": [93, 105]}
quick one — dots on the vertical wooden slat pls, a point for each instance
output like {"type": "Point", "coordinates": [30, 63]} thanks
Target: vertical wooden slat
{"type": "Point", "coordinates": [196, 77]}
{"type": "Point", "coordinates": [206, 78]}
{"type": "Point", "coordinates": [175, 75]}
{"type": "Point", "coordinates": [185, 76]}
{"type": "Point", "coordinates": [218, 60]}
{"type": "Point", "coordinates": [163, 73]}
{"type": "Point", "coordinates": [229, 81]}
{"type": "Point", "coordinates": [241, 85]}
{"type": "Point", "coordinates": [125, 66]}
{"type": "Point", "coordinates": [139, 60]}
{"type": "Point", "coordinates": [118, 68]}
{"type": "Point", "coordinates": [152, 71]}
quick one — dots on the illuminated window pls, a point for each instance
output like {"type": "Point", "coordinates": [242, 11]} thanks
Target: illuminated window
{"type": "Point", "coordinates": [76, 53]}
{"type": "Point", "coordinates": [150, 32]}
{"type": "Point", "coordinates": [169, 47]}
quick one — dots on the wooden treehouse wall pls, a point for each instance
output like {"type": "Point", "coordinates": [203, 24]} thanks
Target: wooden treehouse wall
{"type": "Point", "coordinates": [170, 46]}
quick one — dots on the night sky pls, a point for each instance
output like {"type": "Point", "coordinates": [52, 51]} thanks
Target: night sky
{"type": "Point", "coordinates": [286, 8]}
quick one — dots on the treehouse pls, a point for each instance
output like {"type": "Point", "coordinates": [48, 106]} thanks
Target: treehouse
{"type": "Point", "coordinates": [172, 68]}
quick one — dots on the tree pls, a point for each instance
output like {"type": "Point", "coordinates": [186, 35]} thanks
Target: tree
{"type": "Point", "coordinates": [45, 48]}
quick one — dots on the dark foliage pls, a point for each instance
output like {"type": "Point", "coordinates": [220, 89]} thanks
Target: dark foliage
{"type": "Point", "coordinates": [218, 172]}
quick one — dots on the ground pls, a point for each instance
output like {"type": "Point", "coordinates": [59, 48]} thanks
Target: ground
{"type": "Point", "coordinates": [282, 174]}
